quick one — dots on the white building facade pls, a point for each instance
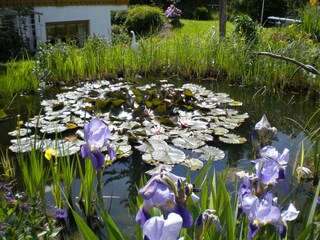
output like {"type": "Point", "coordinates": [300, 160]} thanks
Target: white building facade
{"type": "Point", "coordinates": [71, 21]}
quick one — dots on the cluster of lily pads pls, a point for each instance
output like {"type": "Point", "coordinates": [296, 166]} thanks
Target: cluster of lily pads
{"type": "Point", "coordinates": [169, 125]}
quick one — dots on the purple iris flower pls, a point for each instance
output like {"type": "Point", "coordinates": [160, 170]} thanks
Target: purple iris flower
{"type": "Point", "coordinates": [60, 213]}
{"type": "Point", "coordinates": [157, 228]}
{"type": "Point", "coordinates": [205, 221]}
{"type": "Point", "coordinates": [265, 131]}
{"type": "Point", "coordinates": [271, 166]}
{"type": "Point", "coordinates": [266, 211]}
{"type": "Point", "coordinates": [161, 192]}
{"type": "Point", "coordinates": [96, 135]}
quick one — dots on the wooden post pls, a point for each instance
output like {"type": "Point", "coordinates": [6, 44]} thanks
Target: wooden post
{"type": "Point", "coordinates": [222, 19]}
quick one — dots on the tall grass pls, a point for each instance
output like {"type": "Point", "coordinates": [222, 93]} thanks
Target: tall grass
{"type": "Point", "coordinates": [310, 17]}
{"type": "Point", "coordinates": [18, 78]}
{"type": "Point", "coordinates": [186, 52]}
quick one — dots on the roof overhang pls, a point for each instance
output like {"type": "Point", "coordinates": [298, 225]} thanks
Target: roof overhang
{"type": "Point", "coordinates": [43, 3]}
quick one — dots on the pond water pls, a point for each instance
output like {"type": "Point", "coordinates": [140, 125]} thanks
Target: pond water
{"type": "Point", "coordinates": [284, 111]}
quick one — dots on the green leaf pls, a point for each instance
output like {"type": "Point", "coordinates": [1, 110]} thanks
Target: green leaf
{"type": "Point", "coordinates": [188, 92]}
{"type": "Point", "coordinates": [117, 102]}
{"type": "Point", "coordinates": [2, 114]}
{"type": "Point", "coordinates": [86, 232]}
{"type": "Point", "coordinates": [111, 227]}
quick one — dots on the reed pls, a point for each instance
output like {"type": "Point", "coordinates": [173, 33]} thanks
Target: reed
{"type": "Point", "coordinates": [192, 51]}
{"type": "Point", "coordinates": [19, 78]}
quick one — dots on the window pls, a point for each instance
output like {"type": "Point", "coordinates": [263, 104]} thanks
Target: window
{"type": "Point", "coordinates": [70, 32]}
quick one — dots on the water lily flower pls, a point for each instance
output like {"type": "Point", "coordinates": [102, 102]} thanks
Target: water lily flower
{"type": "Point", "coordinates": [184, 122]}
{"type": "Point", "coordinates": [147, 112]}
{"type": "Point", "coordinates": [158, 130]}
{"type": "Point", "coordinates": [157, 228]}
{"type": "Point", "coordinates": [264, 130]}
{"type": "Point", "coordinates": [271, 166]}
{"type": "Point", "coordinates": [96, 135]}
{"type": "Point", "coordinates": [60, 213]}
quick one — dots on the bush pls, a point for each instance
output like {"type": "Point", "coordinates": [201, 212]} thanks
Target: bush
{"type": "Point", "coordinates": [144, 19]}
{"type": "Point", "coordinates": [252, 8]}
{"type": "Point", "coordinates": [118, 17]}
{"type": "Point", "coordinates": [201, 13]}
{"type": "Point", "coordinates": [119, 34]}
{"type": "Point", "coordinates": [10, 44]}
{"type": "Point", "coordinates": [246, 27]}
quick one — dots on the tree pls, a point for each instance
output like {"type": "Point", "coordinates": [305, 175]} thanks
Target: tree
{"type": "Point", "coordinates": [222, 18]}
{"type": "Point", "coordinates": [276, 8]}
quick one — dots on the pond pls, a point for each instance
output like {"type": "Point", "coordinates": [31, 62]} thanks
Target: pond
{"type": "Point", "coordinates": [284, 111]}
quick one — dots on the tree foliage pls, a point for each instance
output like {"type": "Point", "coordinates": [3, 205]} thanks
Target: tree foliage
{"type": "Point", "coordinates": [253, 8]}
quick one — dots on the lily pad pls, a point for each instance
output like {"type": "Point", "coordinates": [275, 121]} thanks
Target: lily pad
{"type": "Point", "coordinates": [210, 153]}
{"type": "Point", "coordinates": [153, 116]}
{"type": "Point", "coordinates": [188, 142]}
{"type": "Point", "coordinates": [232, 139]}
{"type": "Point", "coordinates": [193, 164]}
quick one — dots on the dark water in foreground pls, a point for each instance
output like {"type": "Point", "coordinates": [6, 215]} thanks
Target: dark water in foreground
{"type": "Point", "coordinates": [285, 112]}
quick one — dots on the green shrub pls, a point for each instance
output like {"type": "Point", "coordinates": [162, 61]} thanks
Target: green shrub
{"type": "Point", "coordinates": [118, 17]}
{"type": "Point", "coordinates": [10, 44]}
{"type": "Point", "coordinates": [246, 27]}
{"type": "Point", "coordinates": [201, 13]}
{"type": "Point", "coordinates": [276, 8]}
{"type": "Point", "coordinates": [119, 34]}
{"type": "Point", "coordinates": [144, 19]}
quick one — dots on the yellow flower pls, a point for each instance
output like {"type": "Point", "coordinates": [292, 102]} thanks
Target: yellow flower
{"type": "Point", "coordinates": [313, 2]}
{"type": "Point", "coordinates": [49, 152]}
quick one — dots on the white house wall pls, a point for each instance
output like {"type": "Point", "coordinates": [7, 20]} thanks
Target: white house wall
{"type": "Point", "coordinates": [99, 18]}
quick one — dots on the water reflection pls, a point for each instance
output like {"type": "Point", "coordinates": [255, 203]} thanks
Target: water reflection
{"type": "Point", "coordinates": [121, 180]}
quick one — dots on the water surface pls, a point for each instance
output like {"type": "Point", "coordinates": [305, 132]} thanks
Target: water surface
{"type": "Point", "coordinates": [286, 112]}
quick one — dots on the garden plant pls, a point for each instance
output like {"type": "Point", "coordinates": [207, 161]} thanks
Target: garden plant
{"type": "Point", "coordinates": [107, 109]}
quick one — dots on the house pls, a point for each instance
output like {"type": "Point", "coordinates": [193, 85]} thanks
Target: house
{"type": "Point", "coordinates": [67, 20]}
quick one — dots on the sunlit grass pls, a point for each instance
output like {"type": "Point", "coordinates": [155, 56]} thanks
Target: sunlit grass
{"type": "Point", "coordinates": [18, 78]}
{"type": "Point", "coordinates": [192, 51]}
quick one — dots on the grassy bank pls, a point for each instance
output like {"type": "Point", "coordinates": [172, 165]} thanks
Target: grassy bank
{"type": "Point", "coordinates": [192, 51]}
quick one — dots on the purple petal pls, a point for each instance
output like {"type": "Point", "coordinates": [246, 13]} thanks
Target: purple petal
{"type": "Point", "coordinates": [250, 204]}
{"type": "Point", "coordinates": [172, 227]}
{"type": "Point", "coordinates": [153, 228]}
{"type": "Point", "coordinates": [142, 216]}
{"type": "Point", "coordinates": [149, 189]}
{"type": "Point", "coordinates": [60, 213]}
{"type": "Point", "coordinates": [185, 215]}
{"type": "Point", "coordinates": [112, 152]}
{"type": "Point", "coordinates": [163, 198]}
{"type": "Point", "coordinates": [253, 230]}
{"type": "Point", "coordinates": [282, 229]}
{"type": "Point", "coordinates": [96, 133]}
{"type": "Point", "coordinates": [290, 214]}
{"type": "Point", "coordinates": [97, 159]}
{"type": "Point", "coordinates": [85, 151]}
